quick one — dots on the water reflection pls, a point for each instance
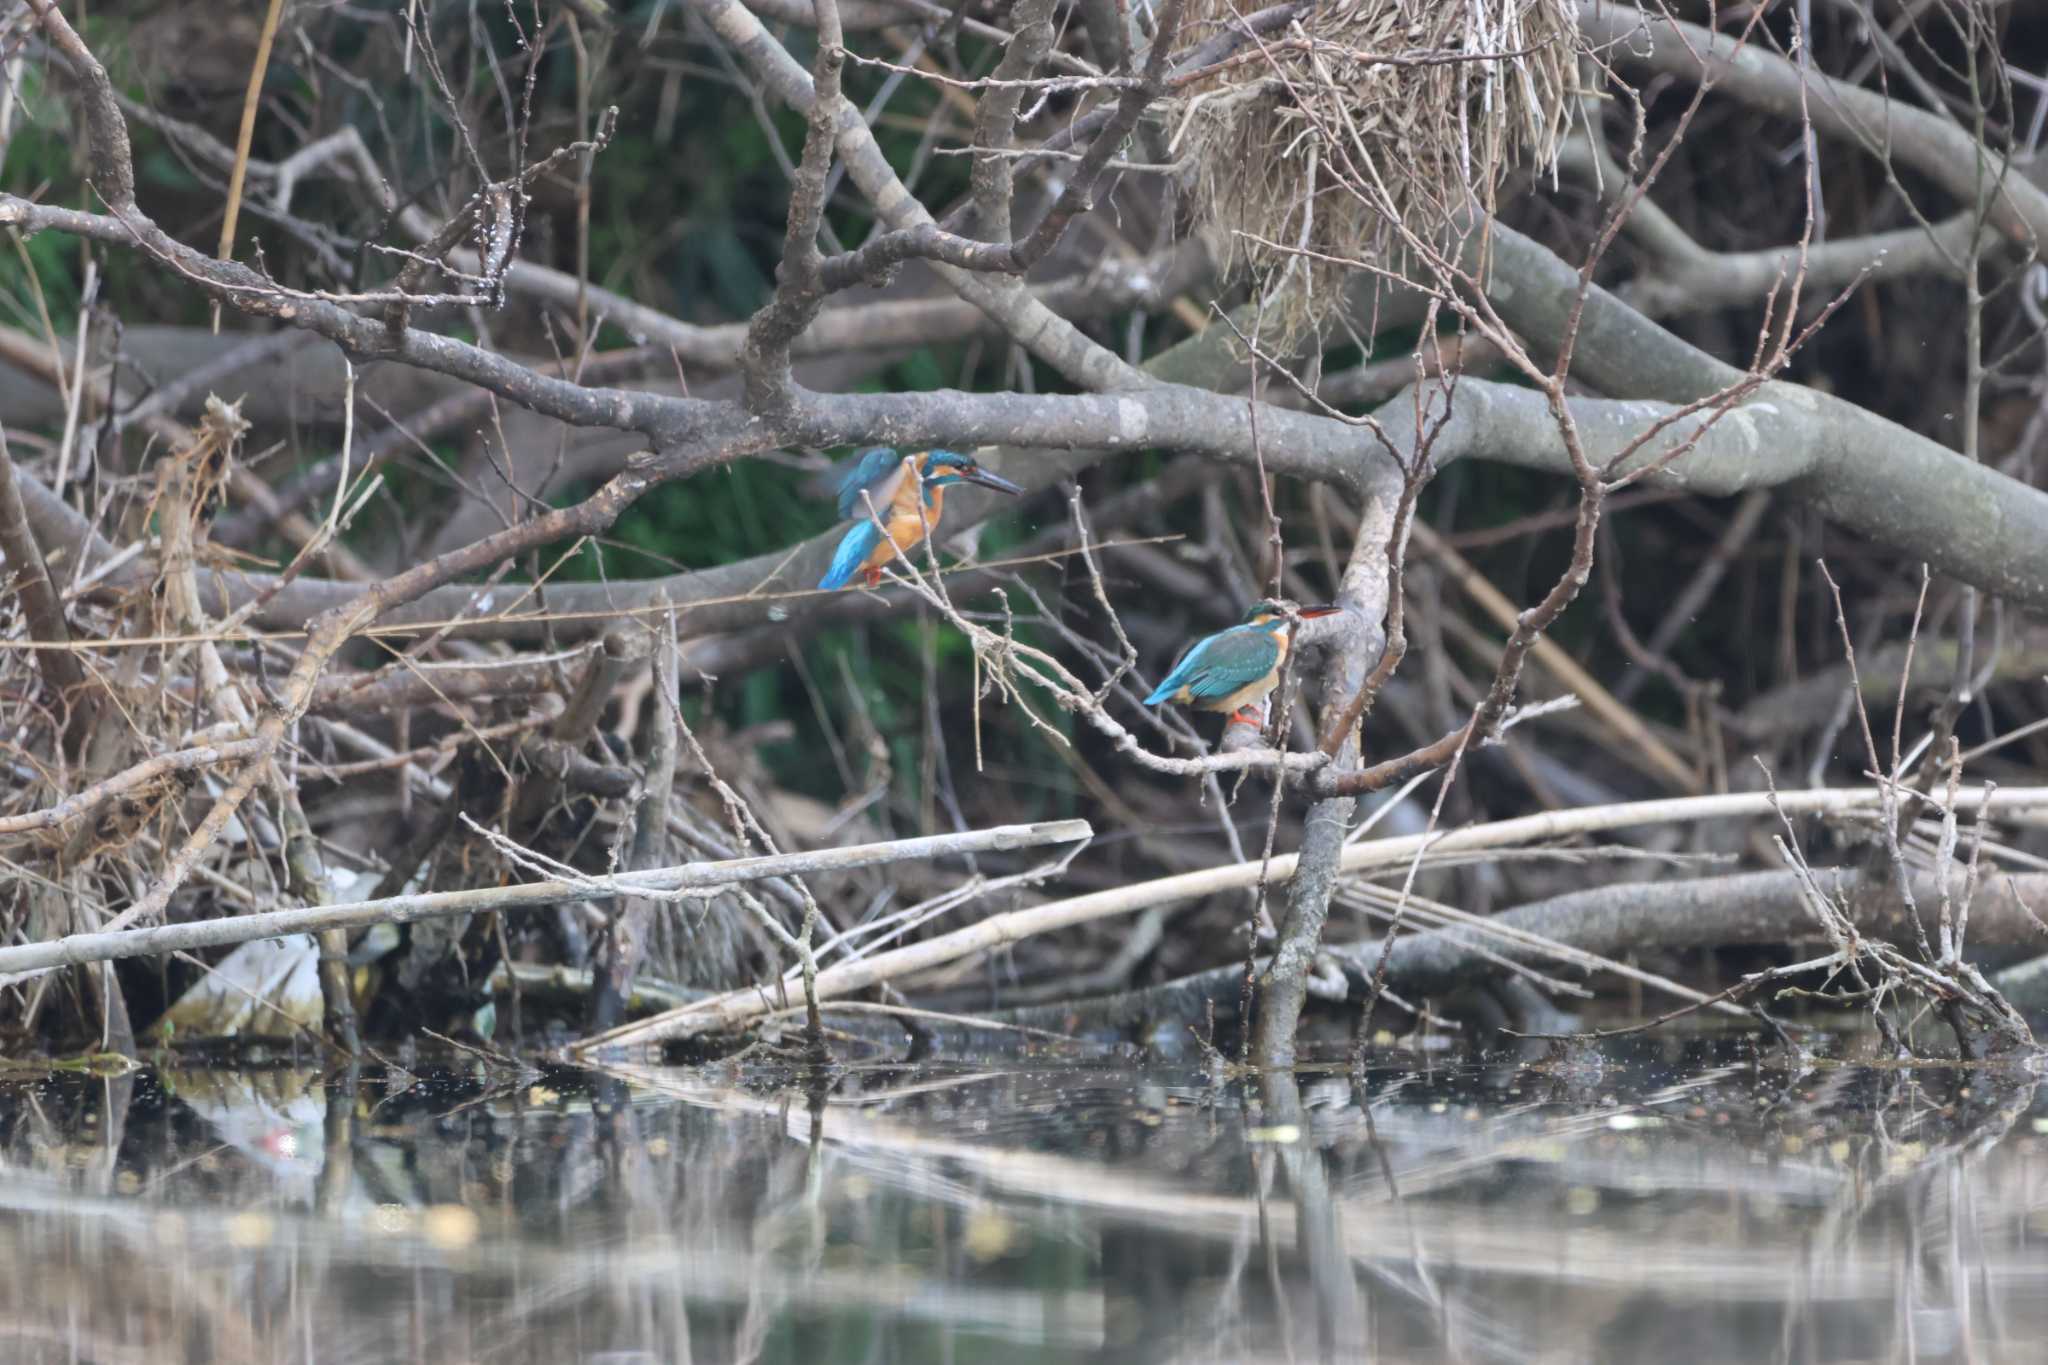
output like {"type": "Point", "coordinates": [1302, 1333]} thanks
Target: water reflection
{"type": "Point", "coordinates": [1656, 1204]}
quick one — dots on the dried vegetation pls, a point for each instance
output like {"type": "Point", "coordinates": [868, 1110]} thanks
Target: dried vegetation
{"type": "Point", "coordinates": [1315, 149]}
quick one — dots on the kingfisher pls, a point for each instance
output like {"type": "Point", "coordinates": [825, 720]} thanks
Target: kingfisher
{"type": "Point", "coordinates": [892, 482]}
{"type": "Point", "coordinates": [1234, 669]}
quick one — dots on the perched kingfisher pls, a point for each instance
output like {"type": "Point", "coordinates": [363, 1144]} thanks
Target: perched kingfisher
{"type": "Point", "coordinates": [1234, 669]}
{"type": "Point", "coordinates": [892, 482]}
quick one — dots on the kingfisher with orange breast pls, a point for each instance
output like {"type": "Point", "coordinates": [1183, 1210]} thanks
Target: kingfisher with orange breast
{"type": "Point", "coordinates": [891, 485]}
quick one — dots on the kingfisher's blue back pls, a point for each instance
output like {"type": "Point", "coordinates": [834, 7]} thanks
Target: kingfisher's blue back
{"type": "Point", "coordinates": [1220, 665]}
{"type": "Point", "coordinates": [869, 468]}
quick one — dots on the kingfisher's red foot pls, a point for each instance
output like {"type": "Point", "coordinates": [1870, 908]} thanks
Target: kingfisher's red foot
{"type": "Point", "coordinates": [873, 577]}
{"type": "Point", "coordinates": [1249, 715]}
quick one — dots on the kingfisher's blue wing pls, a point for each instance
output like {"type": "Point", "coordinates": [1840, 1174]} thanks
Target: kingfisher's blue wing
{"type": "Point", "coordinates": [854, 547]}
{"type": "Point", "coordinates": [868, 470]}
{"type": "Point", "coordinates": [1220, 665]}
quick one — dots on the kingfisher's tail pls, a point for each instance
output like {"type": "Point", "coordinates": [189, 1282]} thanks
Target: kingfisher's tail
{"type": "Point", "coordinates": [1173, 683]}
{"type": "Point", "coordinates": [1179, 676]}
{"type": "Point", "coordinates": [854, 548]}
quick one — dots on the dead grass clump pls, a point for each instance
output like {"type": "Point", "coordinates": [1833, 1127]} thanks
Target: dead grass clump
{"type": "Point", "coordinates": [1365, 118]}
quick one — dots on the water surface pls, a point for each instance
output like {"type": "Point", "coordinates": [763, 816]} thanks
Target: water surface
{"type": "Point", "coordinates": [1671, 1201]}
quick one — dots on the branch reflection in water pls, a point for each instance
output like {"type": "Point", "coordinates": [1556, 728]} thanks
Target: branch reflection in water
{"type": "Point", "coordinates": [1668, 1200]}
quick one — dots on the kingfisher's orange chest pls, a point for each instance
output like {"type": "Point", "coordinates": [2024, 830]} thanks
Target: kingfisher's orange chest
{"type": "Point", "coordinates": [906, 524]}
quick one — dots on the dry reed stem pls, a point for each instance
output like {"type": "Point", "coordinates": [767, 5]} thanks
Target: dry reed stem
{"type": "Point", "coordinates": [238, 173]}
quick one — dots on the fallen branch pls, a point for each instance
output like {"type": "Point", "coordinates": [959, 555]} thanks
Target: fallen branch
{"type": "Point", "coordinates": [149, 770]}
{"type": "Point", "coordinates": [1764, 908]}
{"type": "Point", "coordinates": [729, 1011]}
{"type": "Point", "coordinates": [707, 876]}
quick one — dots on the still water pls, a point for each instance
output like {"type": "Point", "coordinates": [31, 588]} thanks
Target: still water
{"type": "Point", "coordinates": [1665, 1202]}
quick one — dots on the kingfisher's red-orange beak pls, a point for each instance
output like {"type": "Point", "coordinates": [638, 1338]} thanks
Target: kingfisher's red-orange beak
{"type": "Point", "coordinates": [1322, 609]}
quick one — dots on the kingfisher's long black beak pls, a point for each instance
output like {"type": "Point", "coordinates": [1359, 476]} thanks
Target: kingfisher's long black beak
{"type": "Point", "coordinates": [977, 474]}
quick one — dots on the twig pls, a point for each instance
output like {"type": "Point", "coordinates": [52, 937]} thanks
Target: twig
{"type": "Point", "coordinates": [87, 799]}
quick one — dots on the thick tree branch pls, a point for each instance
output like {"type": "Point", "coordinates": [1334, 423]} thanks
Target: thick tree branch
{"type": "Point", "coordinates": [1931, 144]}
{"type": "Point", "coordinates": [1042, 332]}
{"type": "Point", "coordinates": [1684, 277]}
{"type": "Point", "coordinates": [111, 163]}
{"type": "Point", "coordinates": [1366, 594]}
{"type": "Point", "coordinates": [995, 117]}
{"type": "Point", "coordinates": [1612, 921]}
{"type": "Point", "coordinates": [1878, 479]}
{"type": "Point", "coordinates": [930, 241]}
{"type": "Point", "coordinates": [800, 285]}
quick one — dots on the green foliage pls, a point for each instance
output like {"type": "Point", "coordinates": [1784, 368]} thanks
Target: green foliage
{"type": "Point", "coordinates": [51, 274]}
{"type": "Point", "coordinates": [918, 372]}
{"type": "Point", "coordinates": [38, 156]}
{"type": "Point", "coordinates": [744, 509]}
{"type": "Point", "coordinates": [39, 152]}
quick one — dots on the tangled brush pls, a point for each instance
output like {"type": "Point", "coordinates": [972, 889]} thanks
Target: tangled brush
{"type": "Point", "coordinates": [1363, 121]}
